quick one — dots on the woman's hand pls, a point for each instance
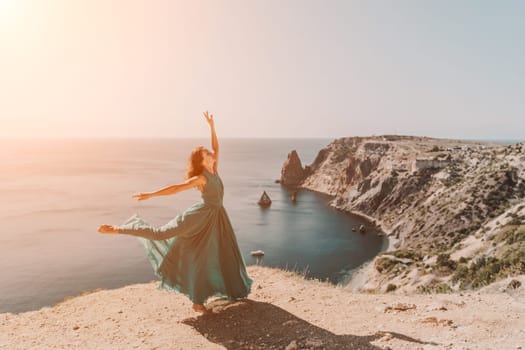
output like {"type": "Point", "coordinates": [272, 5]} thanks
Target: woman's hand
{"type": "Point", "coordinates": [209, 119]}
{"type": "Point", "coordinates": [108, 229]}
{"type": "Point", "coordinates": [142, 196]}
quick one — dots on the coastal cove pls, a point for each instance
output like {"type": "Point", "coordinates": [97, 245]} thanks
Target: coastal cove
{"type": "Point", "coordinates": [452, 210]}
{"type": "Point", "coordinates": [57, 192]}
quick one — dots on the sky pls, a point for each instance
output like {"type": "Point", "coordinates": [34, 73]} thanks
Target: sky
{"type": "Point", "coordinates": [268, 68]}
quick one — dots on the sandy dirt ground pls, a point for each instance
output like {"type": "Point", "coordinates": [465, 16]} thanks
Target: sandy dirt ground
{"type": "Point", "coordinates": [284, 311]}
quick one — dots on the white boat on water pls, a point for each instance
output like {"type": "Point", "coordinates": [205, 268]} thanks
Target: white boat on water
{"type": "Point", "coordinates": [257, 253]}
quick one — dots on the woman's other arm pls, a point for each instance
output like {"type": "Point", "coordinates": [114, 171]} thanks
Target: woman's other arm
{"type": "Point", "coordinates": [195, 181]}
{"type": "Point", "coordinates": [155, 233]}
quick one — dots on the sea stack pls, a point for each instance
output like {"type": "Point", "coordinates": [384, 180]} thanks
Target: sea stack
{"type": "Point", "coordinates": [292, 173]}
{"type": "Point", "coordinates": [265, 200]}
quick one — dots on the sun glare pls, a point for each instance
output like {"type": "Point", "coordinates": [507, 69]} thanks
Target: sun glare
{"type": "Point", "coordinates": [9, 11]}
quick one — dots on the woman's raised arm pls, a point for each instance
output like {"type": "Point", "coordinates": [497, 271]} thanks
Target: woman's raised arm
{"type": "Point", "coordinates": [214, 141]}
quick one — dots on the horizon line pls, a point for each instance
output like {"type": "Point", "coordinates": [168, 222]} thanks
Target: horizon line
{"type": "Point", "coordinates": [248, 137]}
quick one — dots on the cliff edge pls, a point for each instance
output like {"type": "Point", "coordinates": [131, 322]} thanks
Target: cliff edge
{"type": "Point", "coordinates": [284, 311]}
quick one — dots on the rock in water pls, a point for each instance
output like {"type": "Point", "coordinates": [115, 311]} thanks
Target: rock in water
{"type": "Point", "coordinates": [265, 200]}
{"type": "Point", "coordinates": [294, 196]}
{"type": "Point", "coordinates": [292, 173]}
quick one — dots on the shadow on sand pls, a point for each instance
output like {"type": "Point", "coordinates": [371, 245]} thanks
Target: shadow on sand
{"type": "Point", "coordinates": [251, 324]}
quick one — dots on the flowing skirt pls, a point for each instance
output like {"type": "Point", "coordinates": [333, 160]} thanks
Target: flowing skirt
{"type": "Point", "coordinates": [196, 253]}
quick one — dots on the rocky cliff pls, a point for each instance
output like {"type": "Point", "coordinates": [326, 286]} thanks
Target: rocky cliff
{"type": "Point", "coordinates": [454, 211]}
{"type": "Point", "coordinates": [292, 173]}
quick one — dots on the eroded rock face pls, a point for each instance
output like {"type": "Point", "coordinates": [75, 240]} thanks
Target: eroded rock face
{"type": "Point", "coordinates": [345, 162]}
{"type": "Point", "coordinates": [292, 173]}
{"type": "Point", "coordinates": [464, 189]}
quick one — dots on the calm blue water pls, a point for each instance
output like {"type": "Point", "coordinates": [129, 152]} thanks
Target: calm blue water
{"type": "Point", "coordinates": [56, 193]}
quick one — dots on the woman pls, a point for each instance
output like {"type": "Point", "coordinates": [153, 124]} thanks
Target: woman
{"type": "Point", "coordinates": [196, 253]}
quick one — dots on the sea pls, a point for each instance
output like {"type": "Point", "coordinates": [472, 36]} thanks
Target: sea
{"type": "Point", "coordinates": [55, 193]}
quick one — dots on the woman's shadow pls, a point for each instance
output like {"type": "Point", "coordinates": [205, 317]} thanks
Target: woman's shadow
{"type": "Point", "coordinates": [249, 324]}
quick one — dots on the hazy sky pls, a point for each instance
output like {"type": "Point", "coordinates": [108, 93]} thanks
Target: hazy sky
{"type": "Point", "coordinates": [264, 68]}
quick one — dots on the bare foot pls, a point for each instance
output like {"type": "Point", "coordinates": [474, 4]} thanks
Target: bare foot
{"type": "Point", "coordinates": [108, 229]}
{"type": "Point", "coordinates": [201, 308]}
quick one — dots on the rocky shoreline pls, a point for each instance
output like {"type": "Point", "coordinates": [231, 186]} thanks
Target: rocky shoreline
{"type": "Point", "coordinates": [448, 207]}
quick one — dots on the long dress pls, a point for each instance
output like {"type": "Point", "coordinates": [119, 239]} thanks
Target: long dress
{"type": "Point", "coordinates": [196, 253]}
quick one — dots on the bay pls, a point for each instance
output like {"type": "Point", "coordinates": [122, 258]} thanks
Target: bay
{"type": "Point", "coordinates": [56, 192]}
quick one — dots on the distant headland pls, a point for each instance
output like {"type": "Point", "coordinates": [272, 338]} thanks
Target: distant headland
{"type": "Point", "coordinates": [453, 210]}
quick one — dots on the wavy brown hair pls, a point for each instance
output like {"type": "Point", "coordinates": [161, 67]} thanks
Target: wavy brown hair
{"type": "Point", "coordinates": [195, 166]}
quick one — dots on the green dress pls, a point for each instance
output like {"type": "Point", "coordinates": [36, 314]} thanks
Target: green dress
{"type": "Point", "coordinates": [196, 253]}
